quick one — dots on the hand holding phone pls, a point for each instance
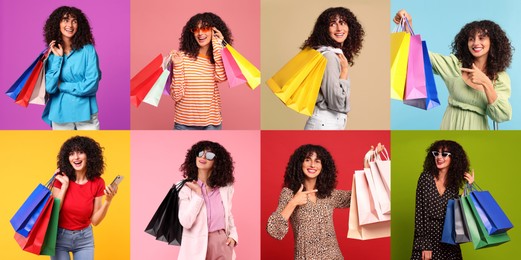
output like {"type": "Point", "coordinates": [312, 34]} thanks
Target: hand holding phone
{"type": "Point", "coordinates": [117, 180]}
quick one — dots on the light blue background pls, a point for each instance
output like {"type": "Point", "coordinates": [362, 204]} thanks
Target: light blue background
{"type": "Point", "coordinates": [438, 21]}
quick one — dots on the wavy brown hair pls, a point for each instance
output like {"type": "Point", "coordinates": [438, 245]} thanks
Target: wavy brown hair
{"type": "Point", "coordinates": [320, 35]}
{"type": "Point", "coordinates": [189, 44]}
{"type": "Point", "coordinates": [51, 29]}
{"type": "Point", "coordinates": [459, 162]}
{"type": "Point", "coordinates": [326, 180]}
{"type": "Point", "coordinates": [223, 165]}
{"type": "Point", "coordinates": [500, 54]}
{"type": "Point", "coordinates": [95, 162]}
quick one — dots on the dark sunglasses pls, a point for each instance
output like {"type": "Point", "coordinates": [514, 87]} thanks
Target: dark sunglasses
{"type": "Point", "coordinates": [443, 154]}
{"type": "Point", "coordinates": [209, 155]}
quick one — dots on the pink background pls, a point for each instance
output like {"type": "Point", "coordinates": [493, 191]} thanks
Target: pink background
{"type": "Point", "coordinates": [348, 149]}
{"type": "Point", "coordinates": [156, 157]}
{"type": "Point", "coordinates": [156, 28]}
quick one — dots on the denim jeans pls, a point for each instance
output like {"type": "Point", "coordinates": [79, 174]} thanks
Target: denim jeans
{"type": "Point", "coordinates": [92, 124]}
{"type": "Point", "coordinates": [189, 127]}
{"type": "Point", "coordinates": [79, 242]}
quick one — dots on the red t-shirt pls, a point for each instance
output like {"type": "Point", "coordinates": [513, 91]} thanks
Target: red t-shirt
{"type": "Point", "coordinates": [78, 204]}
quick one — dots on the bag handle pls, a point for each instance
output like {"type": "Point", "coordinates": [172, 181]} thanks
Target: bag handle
{"type": "Point", "coordinates": [168, 61]}
{"type": "Point", "coordinates": [50, 182]}
{"type": "Point", "coordinates": [401, 26]}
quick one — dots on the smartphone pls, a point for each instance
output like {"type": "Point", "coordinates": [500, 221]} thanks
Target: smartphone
{"type": "Point", "coordinates": [117, 180]}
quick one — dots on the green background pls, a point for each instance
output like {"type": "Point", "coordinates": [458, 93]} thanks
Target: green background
{"type": "Point", "coordinates": [493, 155]}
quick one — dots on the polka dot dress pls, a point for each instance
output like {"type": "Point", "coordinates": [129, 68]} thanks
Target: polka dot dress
{"type": "Point", "coordinates": [429, 218]}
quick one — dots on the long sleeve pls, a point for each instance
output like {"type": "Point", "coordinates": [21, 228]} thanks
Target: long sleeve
{"type": "Point", "coordinates": [341, 198]}
{"type": "Point", "coordinates": [190, 204]}
{"type": "Point", "coordinates": [52, 73]}
{"type": "Point", "coordinates": [177, 88]}
{"type": "Point", "coordinates": [445, 66]}
{"type": "Point", "coordinates": [277, 226]}
{"type": "Point", "coordinates": [231, 222]}
{"type": "Point", "coordinates": [219, 73]}
{"type": "Point", "coordinates": [334, 91]}
{"type": "Point", "coordinates": [88, 85]}
{"type": "Point", "coordinates": [421, 226]}
{"type": "Point", "coordinates": [501, 110]}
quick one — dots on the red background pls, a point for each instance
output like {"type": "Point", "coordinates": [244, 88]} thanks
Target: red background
{"type": "Point", "coordinates": [348, 149]}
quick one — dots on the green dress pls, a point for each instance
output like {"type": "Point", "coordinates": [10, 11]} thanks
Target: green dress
{"type": "Point", "coordinates": [468, 108]}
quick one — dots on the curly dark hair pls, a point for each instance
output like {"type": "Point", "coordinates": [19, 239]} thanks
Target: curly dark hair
{"type": "Point", "coordinates": [320, 35]}
{"type": "Point", "coordinates": [223, 164]}
{"type": "Point", "coordinates": [189, 44]}
{"type": "Point", "coordinates": [326, 180]}
{"type": "Point", "coordinates": [459, 162]}
{"type": "Point", "coordinates": [51, 29]}
{"type": "Point", "coordinates": [500, 54]}
{"type": "Point", "coordinates": [91, 148]}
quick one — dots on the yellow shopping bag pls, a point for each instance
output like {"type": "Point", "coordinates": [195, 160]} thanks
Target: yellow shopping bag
{"type": "Point", "coordinates": [305, 97]}
{"type": "Point", "coordinates": [400, 42]}
{"type": "Point", "coordinates": [288, 79]}
{"type": "Point", "coordinates": [249, 71]}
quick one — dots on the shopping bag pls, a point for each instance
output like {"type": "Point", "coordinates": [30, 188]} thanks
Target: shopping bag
{"type": "Point", "coordinates": [431, 101]}
{"type": "Point", "coordinates": [304, 98]}
{"type": "Point", "coordinates": [368, 231]}
{"type": "Point", "coordinates": [27, 91]}
{"type": "Point", "coordinates": [165, 225]}
{"type": "Point", "coordinates": [16, 88]}
{"type": "Point", "coordinates": [448, 236]}
{"type": "Point", "coordinates": [400, 41]}
{"type": "Point", "coordinates": [154, 95]}
{"type": "Point", "coordinates": [34, 241]}
{"type": "Point", "coordinates": [461, 228]}
{"type": "Point", "coordinates": [384, 168]}
{"type": "Point", "coordinates": [415, 81]}
{"type": "Point", "coordinates": [170, 67]}
{"type": "Point", "coordinates": [49, 243]}
{"type": "Point", "coordinates": [38, 96]}
{"type": "Point", "coordinates": [478, 233]}
{"type": "Point", "coordinates": [143, 81]}
{"type": "Point", "coordinates": [290, 77]}
{"type": "Point", "coordinates": [367, 207]}
{"type": "Point", "coordinates": [233, 72]}
{"type": "Point", "coordinates": [380, 191]}
{"type": "Point", "coordinates": [493, 217]}
{"type": "Point", "coordinates": [250, 72]}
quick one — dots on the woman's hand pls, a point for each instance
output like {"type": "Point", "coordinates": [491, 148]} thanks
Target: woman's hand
{"type": "Point", "coordinates": [177, 57]}
{"type": "Point", "coordinates": [469, 177]}
{"type": "Point", "coordinates": [301, 197]}
{"type": "Point", "coordinates": [217, 34]}
{"type": "Point", "coordinates": [56, 50]}
{"type": "Point", "coordinates": [194, 187]}
{"type": "Point", "coordinates": [110, 192]}
{"type": "Point", "coordinates": [230, 242]}
{"type": "Point", "coordinates": [400, 14]}
{"type": "Point", "coordinates": [61, 177]}
{"type": "Point", "coordinates": [344, 65]}
{"type": "Point", "coordinates": [477, 76]}
{"type": "Point", "coordinates": [426, 255]}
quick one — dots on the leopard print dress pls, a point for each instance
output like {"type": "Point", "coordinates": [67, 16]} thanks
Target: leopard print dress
{"type": "Point", "coordinates": [312, 223]}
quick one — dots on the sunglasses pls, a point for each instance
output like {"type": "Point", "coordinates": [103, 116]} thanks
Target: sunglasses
{"type": "Point", "coordinates": [203, 29]}
{"type": "Point", "coordinates": [443, 154]}
{"type": "Point", "coordinates": [209, 155]}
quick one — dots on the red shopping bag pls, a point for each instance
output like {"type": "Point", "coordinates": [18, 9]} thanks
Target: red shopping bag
{"type": "Point", "coordinates": [143, 81]}
{"type": "Point", "coordinates": [34, 242]}
{"type": "Point", "coordinates": [35, 76]}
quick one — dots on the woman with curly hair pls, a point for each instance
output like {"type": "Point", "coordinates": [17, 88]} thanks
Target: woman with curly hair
{"type": "Point", "coordinates": [475, 75]}
{"type": "Point", "coordinates": [445, 169]}
{"type": "Point", "coordinates": [80, 189]}
{"type": "Point", "coordinates": [309, 195]}
{"type": "Point", "coordinates": [205, 203]}
{"type": "Point", "coordinates": [197, 69]}
{"type": "Point", "coordinates": [338, 36]}
{"type": "Point", "coordinates": [72, 72]}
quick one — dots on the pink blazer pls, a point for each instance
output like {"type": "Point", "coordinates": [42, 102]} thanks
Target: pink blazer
{"type": "Point", "coordinates": [193, 218]}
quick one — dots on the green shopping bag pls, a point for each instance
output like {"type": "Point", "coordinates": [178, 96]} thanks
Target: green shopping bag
{"type": "Point", "coordinates": [49, 243]}
{"type": "Point", "coordinates": [478, 233]}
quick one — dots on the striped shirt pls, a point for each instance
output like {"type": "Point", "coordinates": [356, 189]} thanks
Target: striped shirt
{"type": "Point", "coordinates": [194, 89]}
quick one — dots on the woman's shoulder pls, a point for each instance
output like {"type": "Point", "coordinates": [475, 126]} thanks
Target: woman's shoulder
{"type": "Point", "coordinates": [98, 180]}
{"type": "Point", "coordinates": [88, 48]}
{"type": "Point", "coordinates": [286, 192]}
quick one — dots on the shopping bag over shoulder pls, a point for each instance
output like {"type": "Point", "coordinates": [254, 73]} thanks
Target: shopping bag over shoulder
{"type": "Point", "coordinates": [250, 72]}
{"type": "Point", "coordinates": [154, 95]}
{"type": "Point", "coordinates": [28, 89]}
{"type": "Point", "coordinates": [448, 235]}
{"type": "Point", "coordinates": [493, 217]}
{"type": "Point", "coordinates": [34, 241]}
{"type": "Point", "coordinates": [233, 72]}
{"type": "Point", "coordinates": [143, 81]}
{"type": "Point", "coordinates": [461, 228]}
{"type": "Point", "coordinates": [49, 243]}
{"type": "Point", "coordinates": [15, 89]}
{"type": "Point", "coordinates": [24, 219]}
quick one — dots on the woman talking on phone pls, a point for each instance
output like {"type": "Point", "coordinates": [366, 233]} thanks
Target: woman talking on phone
{"type": "Point", "coordinates": [80, 189]}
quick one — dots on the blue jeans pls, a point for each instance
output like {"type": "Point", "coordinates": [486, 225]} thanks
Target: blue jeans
{"type": "Point", "coordinates": [189, 127]}
{"type": "Point", "coordinates": [79, 242]}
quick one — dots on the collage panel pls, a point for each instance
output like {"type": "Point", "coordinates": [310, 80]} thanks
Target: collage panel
{"type": "Point", "coordinates": [93, 81]}
{"type": "Point", "coordinates": [30, 158]}
{"type": "Point", "coordinates": [352, 94]}
{"type": "Point", "coordinates": [318, 227]}
{"type": "Point", "coordinates": [456, 96]}
{"type": "Point", "coordinates": [157, 157]}
{"type": "Point", "coordinates": [160, 27]}
{"type": "Point", "coordinates": [489, 155]}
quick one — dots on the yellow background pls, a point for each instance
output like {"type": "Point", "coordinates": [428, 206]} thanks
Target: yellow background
{"type": "Point", "coordinates": [29, 157]}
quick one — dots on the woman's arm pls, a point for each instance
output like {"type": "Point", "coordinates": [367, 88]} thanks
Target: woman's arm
{"type": "Point", "coordinates": [334, 88]}
{"type": "Point", "coordinates": [89, 85]}
{"type": "Point", "coordinates": [219, 73]}
{"type": "Point", "coordinates": [233, 237]}
{"type": "Point", "coordinates": [341, 198]}
{"type": "Point", "coordinates": [100, 208]}
{"type": "Point", "coordinates": [422, 239]}
{"type": "Point", "coordinates": [500, 110]}
{"type": "Point", "coordinates": [190, 204]}
{"type": "Point", "coordinates": [177, 87]}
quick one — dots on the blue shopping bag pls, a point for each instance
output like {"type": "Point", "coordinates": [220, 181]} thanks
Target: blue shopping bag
{"type": "Point", "coordinates": [448, 235]}
{"type": "Point", "coordinates": [432, 100]}
{"type": "Point", "coordinates": [16, 88]}
{"type": "Point", "coordinates": [493, 217]}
